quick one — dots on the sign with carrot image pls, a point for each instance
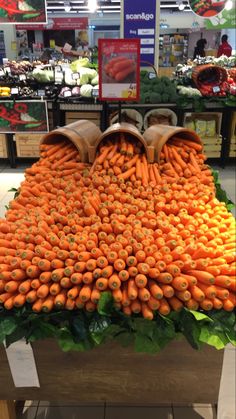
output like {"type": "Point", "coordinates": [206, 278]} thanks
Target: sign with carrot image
{"type": "Point", "coordinates": [28, 116]}
{"type": "Point", "coordinates": [23, 11]}
{"type": "Point", "coordinates": [119, 66]}
{"type": "Point", "coordinates": [207, 8]}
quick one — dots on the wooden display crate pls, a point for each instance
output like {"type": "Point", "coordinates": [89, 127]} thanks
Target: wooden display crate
{"type": "Point", "coordinates": [3, 146]}
{"type": "Point", "coordinates": [27, 145]}
{"type": "Point", "coordinates": [94, 117]}
{"type": "Point", "coordinates": [178, 374]}
{"type": "Point", "coordinates": [209, 116]}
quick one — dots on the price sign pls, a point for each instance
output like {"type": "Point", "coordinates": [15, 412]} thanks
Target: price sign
{"type": "Point", "coordinates": [22, 77]}
{"type": "Point", "coordinates": [95, 92]}
{"type": "Point", "coordinates": [67, 93]}
{"type": "Point", "coordinates": [75, 76]}
{"type": "Point", "coordinates": [119, 69]}
{"type": "Point", "coordinates": [41, 92]}
{"type": "Point", "coordinates": [151, 76]}
{"type": "Point", "coordinates": [216, 89]}
{"type": "Point", "coordinates": [14, 91]}
{"type": "Point", "coordinates": [7, 70]}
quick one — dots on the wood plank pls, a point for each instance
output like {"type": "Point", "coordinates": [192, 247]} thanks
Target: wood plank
{"type": "Point", "coordinates": [116, 374]}
{"type": "Point", "coordinates": [215, 154]}
{"type": "Point", "coordinates": [211, 147]}
{"type": "Point", "coordinates": [3, 146]}
{"type": "Point", "coordinates": [7, 409]}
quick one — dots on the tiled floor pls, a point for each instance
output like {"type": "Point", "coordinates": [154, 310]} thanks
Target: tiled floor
{"type": "Point", "coordinates": [44, 410]}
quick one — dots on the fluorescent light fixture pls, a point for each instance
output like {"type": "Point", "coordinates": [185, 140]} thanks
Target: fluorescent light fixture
{"type": "Point", "coordinates": [67, 6]}
{"type": "Point", "coordinates": [180, 5]}
{"type": "Point", "coordinates": [228, 5]}
{"type": "Point", "coordinates": [92, 5]}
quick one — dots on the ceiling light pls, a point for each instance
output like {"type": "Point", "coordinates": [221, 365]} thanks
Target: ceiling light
{"type": "Point", "coordinates": [181, 5]}
{"type": "Point", "coordinates": [228, 5]}
{"type": "Point", "coordinates": [67, 7]}
{"type": "Point", "coordinates": [92, 5]}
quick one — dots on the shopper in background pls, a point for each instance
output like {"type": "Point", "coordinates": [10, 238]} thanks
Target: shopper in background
{"type": "Point", "coordinates": [224, 48]}
{"type": "Point", "coordinates": [199, 50]}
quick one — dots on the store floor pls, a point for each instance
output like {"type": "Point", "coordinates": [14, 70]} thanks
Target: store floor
{"type": "Point", "coordinates": [59, 410]}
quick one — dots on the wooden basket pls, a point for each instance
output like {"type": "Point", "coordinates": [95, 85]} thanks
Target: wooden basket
{"type": "Point", "coordinates": [82, 134]}
{"type": "Point", "coordinates": [118, 128]}
{"type": "Point", "coordinates": [158, 135]}
{"type": "Point", "coordinates": [3, 146]}
{"type": "Point", "coordinates": [203, 74]}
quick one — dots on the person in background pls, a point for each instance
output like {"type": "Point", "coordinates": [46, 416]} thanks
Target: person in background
{"type": "Point", "coordinates": [199, 50]}
{"type": "Point", "coordinates": [224, 48]}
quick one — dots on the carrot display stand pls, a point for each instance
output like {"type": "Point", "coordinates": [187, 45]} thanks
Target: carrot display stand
{"type": "Point", "coordinates": [172, 376]}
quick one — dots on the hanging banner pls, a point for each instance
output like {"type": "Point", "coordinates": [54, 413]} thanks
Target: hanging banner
{"type": "Point", "coordinates": [139, 21]}
{"type": "Point", "coordinates": [23, 11]}
{"type": "Point", "coordinates": [207, 8]}
{"type": "Point", "coordinates": [58, 23]}
{"type": "Point", "coordinates": [225, 20]}
{"type": "Point", "coordinates": [27, 116]}
{"type": "Point", "coordinates": [119, 69]}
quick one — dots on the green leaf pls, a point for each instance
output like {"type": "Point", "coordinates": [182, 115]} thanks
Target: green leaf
{"type": "Point", "coordinates": [145, 344]}
{"type": "Point", "coordinates": [231, 336]}
{"type": "Point", "coordinates": [18, 334]}
{"type": "Point", "coordinates": [7, 326]}
{"type": "Point", "coordinates": [218, 340]}
{"type": "Point", "coordinates": [125, 338]}
{"type": "Point", "coordinates": [221, 195]}
{"type": "Point", "coordinates": [67, 343]}
{"type": "Point", "coordinates": [200, 316]}
{"type": "Point", "coordinates": [105, 305]}
{"type": "Point", "coordinates": [78, 329]}
{"type": "Point", "coordinates": [97, 329]}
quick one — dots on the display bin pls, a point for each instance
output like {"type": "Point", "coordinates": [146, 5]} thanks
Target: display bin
{"type": "Point", "coordinates": [111, 373]}
{"type": "Point", "coordinates": [212, 144]}
{"type": "Point", "coordinates": [27, 145]}
{"type": "Point", "coordinates": [90, 116]}
{"type": "Point", "coordinates": [3, 146]}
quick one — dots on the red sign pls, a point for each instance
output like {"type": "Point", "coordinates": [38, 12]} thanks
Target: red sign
{"type": "Point", "coordinates": [119, 69]}
{"type": "Point", "coordinates": [58, 23]}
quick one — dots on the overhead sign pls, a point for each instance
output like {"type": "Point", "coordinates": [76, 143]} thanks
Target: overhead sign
{"type": "Point", "coordinates": [59, 23]}
{"type": "Point", "coordinates": [119, 69]}
{"type": "Point", "coordinates": [139, 20]}
{"type": "Point", "coordinates": [207, 8]}
{"type": "Point", "coordinates": [18, 11]}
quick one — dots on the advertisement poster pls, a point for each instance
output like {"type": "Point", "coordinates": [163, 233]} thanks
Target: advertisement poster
{"type": "Point", "coordinates": [119, 69]}
{"type": "Point", "coordinates": [23, 11]}
{"type": "Point", "coordinates": [140, 22]}
{"type": "Point", "coordinates": [225, 20]}
{"type": "Point", "coordinates": [27, 116]}
{"type": "Point", "coordinates": [207, 8]}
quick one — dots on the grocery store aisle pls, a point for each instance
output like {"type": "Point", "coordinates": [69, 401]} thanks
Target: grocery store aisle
{"type": "Point", "coordinates": [11, 178]}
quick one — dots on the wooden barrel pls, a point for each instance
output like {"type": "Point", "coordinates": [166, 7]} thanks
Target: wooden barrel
{"type": "Point", "coordinates": [82, 134]}
{"type": "Point", "coordinates": [118, 128]}
{"type": "Point", "coordinates": [158, 135]}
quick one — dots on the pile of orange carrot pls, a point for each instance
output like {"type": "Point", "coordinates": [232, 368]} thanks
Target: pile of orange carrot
{"type": "Point", "coordinates": [154, 235]}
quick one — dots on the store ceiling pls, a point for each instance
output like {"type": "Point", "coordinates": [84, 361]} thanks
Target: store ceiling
{"type": "Point", "coordinates": [105, 6]}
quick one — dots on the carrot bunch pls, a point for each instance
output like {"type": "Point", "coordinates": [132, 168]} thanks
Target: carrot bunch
{"type": "Point", "coordinates": [154, 235]}
{"type": "Point", "coordinates": [119, 67]}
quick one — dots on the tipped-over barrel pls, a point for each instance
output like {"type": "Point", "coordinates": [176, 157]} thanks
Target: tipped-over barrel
{"type": "Point", "coordinates": [158, 135]}
{"type": "Point", "coordinates": [82, 134]}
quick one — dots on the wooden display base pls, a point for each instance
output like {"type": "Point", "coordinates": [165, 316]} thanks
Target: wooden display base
{"type": "Point", "coordinates": [178, 375]}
